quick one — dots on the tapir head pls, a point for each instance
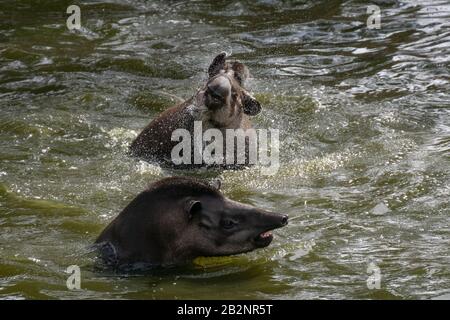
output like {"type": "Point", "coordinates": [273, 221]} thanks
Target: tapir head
{"type": "Point", "coordinates": [219, 226]}
{"type": "Point", "coordinates": [224, 93]}
{"type": "Point", "coordinates": [179, 219]}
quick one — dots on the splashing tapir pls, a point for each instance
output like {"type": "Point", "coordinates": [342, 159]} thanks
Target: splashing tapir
{"type": "Point", "coordinates": [179, 219]}
{"type": "Point", "coordinates": [222, 103]}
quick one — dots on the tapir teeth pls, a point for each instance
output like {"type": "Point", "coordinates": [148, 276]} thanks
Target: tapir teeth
{"type": "Point", "coordinates": [266, 234]}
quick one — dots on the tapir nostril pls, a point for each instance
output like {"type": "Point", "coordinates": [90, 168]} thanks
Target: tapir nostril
{"type": "Point", "coordinates": [284, 220]}
{"type": "Point", "coordinates": [219, 87]}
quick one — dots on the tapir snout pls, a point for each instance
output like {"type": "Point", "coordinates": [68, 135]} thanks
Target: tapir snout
{"type": "Point", "coordinates": [218, 92]}
{"type": "Point", "coordinates": [252, 224]}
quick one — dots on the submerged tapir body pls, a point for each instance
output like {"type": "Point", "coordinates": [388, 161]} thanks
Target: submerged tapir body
{"type": "Point", "coordinates": [222, 103]}
{"type": "Point", "coordinates": [178, 219]}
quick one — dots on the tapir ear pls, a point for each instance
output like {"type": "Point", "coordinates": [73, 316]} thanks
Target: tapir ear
{"type": "Point", "coordinates": [192, 208]}
{"type": "Point", "coordinates": [217, 64]}
{"type": "Point", "coordinates": [250, 105]}
{"type": "Point", "coordinates": [216, 184]}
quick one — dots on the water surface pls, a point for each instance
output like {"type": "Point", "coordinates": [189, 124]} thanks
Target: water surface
{"type": "Point", "coordinates": [363, 114]}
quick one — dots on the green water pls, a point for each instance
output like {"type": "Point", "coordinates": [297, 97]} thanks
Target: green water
{"type": "Point", "coordinates": [364, 120]}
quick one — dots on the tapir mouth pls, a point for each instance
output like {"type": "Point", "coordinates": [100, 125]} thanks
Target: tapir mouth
{"type": "Point", "coordinates": [263, 239]}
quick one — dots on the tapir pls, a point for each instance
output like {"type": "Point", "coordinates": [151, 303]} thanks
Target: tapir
{"type": "Point", "coordinates": [178, 219]}
{"type": "Point", "coordinates": [221, 103]}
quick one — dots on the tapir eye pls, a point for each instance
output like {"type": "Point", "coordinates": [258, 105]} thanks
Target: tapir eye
{"type": "Point", "coordinates": [228, 224]}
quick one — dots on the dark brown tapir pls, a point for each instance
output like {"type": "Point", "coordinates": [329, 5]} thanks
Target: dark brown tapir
{"type": "Point", "coordinates": [178, 219]}
{"type": "Point", "coordinates": [222, 103]}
